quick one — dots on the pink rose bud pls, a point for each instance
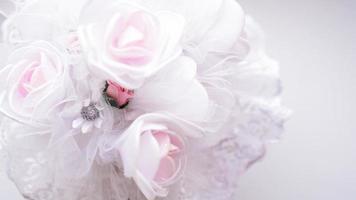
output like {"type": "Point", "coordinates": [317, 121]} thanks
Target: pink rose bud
{"type": "Point", "coordinates": [116, 95]}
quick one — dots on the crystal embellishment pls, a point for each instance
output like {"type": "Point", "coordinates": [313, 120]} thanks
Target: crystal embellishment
{"type": "Point", "coordinates": [90, 113]}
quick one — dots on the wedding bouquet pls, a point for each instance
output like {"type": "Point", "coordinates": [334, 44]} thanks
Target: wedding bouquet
{"type": "Point", "coordinates": [134, 99]}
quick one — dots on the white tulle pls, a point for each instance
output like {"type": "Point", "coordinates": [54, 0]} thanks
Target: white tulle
{"type": "Point", "coordinates": [209, 82]}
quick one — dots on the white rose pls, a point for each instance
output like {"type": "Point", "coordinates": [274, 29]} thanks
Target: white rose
{"type": "Point", "coordinates": [153, 152]}
{"type": "Point", "coordinates": [33, 82]}
{"type": "Point", "coordinates": [126, 43]}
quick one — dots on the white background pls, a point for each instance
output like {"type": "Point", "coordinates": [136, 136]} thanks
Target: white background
{"type": "Point", "coordinates": [315, 42]}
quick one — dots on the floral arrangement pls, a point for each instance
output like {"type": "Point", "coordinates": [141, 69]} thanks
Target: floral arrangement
{"type": "Point", "coordinates": [134, 99]}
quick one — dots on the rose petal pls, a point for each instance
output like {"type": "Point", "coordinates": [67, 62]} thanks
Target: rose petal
{"type": "Point", "coordinates": [87, 127]}
{"type": "Point", "coordinates": [164, 142]}
{"type": "Point", "coordinates": [77, 122]}
{"type": "Point", "coordinates": [167, 169]}
{"type": "Point", "coordinates": [149, 156]}
{"type": "Point", "coordinates": [130, 36]}
{"type": "Point", "coordinates": [177, 145]}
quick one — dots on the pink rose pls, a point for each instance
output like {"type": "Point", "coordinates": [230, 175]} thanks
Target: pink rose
{"type": "Point", "coordinates": [152, 151]}
{"type": "Point", "coordinates": [127, 43]}
{"type": "Point", "coordinates": [116, 95]}
{"type": "Point", "coordinates": [33, 82]}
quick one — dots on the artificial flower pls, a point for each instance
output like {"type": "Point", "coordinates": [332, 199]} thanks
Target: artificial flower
{"type": "Point", "coordinates": [127, 43]}
{"type": "Point", "coordinates": [34, 82]}
{"type": "Point", "coordinates": [152, 151]}
{"type": "Point", "coordinates": [134, 99]}
{"type": "Point", "coordinates": [116, 95]}
{"type": "Point", "coordinates": [90, 117]}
